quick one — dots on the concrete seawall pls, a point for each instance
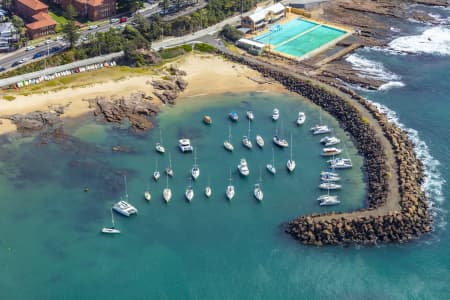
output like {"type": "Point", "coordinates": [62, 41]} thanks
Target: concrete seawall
{"type": "Point", "coordinates": [396, 207]}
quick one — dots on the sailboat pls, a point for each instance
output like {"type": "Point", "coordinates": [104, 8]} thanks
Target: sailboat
{"type": "Point", "coordinates": [159, 145]}
{"type": "Point", "coordinates": [112, 229]}
{"type": "Point", "coordinates": [189, 193]}
{"type": "Point", "coordinates": [280, 141]}
{"type": "Point", "coordinates": [301, 118]}
{"type": "Point", "coordinates": [208, 190]}
{"type": "Point", "coordinates": [147, 195]}
{"type": "Point", "coordinates": [257, 191]}
{"type": "Point", "coordinates": [167, 192]}
{"type": "Point", "coordinates": [250, 115]}
{"type": "Point", "coordinates": [320, 128]}
{"type": "Point", "coordinates": [195, 171]}
{"type": "Point", "coordinates": [291, 163]}
{"type": "Point", "coordinates": [227, 144]}
{"type": "Point", "coordinates": [259, 141]}
{"type": "Point", "coordinates": [230, 189]}
{"type": "Point", "coordinates": [271, 167]}
{"type": "Point", "coordinates": [246, 139]}
{"type": "Point", "coordinates": [326, 200]}
{"type": "Point", "coordinates": [169, 170]}
{"type": "Point", "coordinates": [156, 174]}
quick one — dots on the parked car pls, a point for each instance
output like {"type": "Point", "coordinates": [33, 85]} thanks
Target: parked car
{"type": "Point", "coordinates": [123, 19]}
{"type": "Point", "coordinates": [39, 54]}
{"type": "Point", "coordinates": [30, 48]}
{"type": "Point", "coordinates": [48, 42]}
{"type": "Point", "coordinates": [114, 20]}
{"type": "Point", "coordinates": [92, 27]}
{"type": "Point", "coordinates": [59, 38]}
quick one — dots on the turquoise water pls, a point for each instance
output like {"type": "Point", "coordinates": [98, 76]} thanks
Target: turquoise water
{"type": "Point", "coordinates": [50, 243]}
{"type": "Point", "coordinates": [288, 30]}
{"type": "Point", "coordinates": [310, 41]}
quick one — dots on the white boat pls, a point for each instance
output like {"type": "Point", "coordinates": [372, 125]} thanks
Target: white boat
{"type": "Point", "coordinates": [259, 141]}
{"type": "Point", "coordinates": [159, 146]}
{"type": "Point", "coordinates": [233, 116]}
{"type": "Point", "coordinates": [243, 167]}
{"type": "Point", "coordinates": [291, 162]}
{"type": "Point", "coordinates": [271, 167]}
{"type": "Point", "coordinates": [147, 195]}
{"type": "Point", "coordinates": [208, 190]}
{"type": "Point", "coordinates": [340, 163]}
{"type": "Point", "coordinates": [301, 118]}
{"type": "Point", "coordinates": [325, 173]}
{"type": "Point", "coordinates": [227, 144]}
{"type": "Point", "coordinates": [321, 129]}
{"type": "Point", "coordinates": [195, 171]}
{"type": "Point", "coordinates": [250, 115]}
{"type": "Point", "coordinates": [167, 192]}
{"type": "Point", "coordinates": [330, 178]}
{"type": "Point", "coordinates": [185, 145]}
{"type": "Point", "coordinates": [230, 189]}
{"type": "Point", "coordinates": [112, 229]}
{"type": "Point", "coordinates": [275, 114]}
{"type": "Point", "coordinates": [329, 200]}
{"type": "Point", "coordinates": [280, 142]}
{"type": "Point", "coordinates": [156, 173]}
{"type": "Point", "coordinates": [246, 139]}
{"type": "Point", "coordinates": [169, 170]}
{"type": "Point", "coordinates": [330, 151]}
{"type": "Point", "coordinates": [123, 207]}
{"type": "Point", "coordinates": [329, 186]}
{"type": "Point", "coordinates": [257, 190]}
{"type": "Point", "coordinates": [330, 141]}
{"type": "Point", "coordinates": [189, 193]}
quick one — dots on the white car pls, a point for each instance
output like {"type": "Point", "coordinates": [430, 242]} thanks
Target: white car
{"type": "Point", "coordinates": [92, 27]}
{"type": "Point", "coordinates": [30, 48]}
{"type": "Point", "coordinates": [48, 42]}
{"type": "Point", "coordinates": [58, 38]}
{"type": "Point", "coordinates": [114, 20]}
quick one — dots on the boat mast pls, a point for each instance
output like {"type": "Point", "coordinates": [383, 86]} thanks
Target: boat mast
{"type": "Point", "coordinates": [249, 129]}
{"type": "Point", "coordinates": [112, 219]}
{"type": "Point", "coordinates": [160, 137]}
{"type": "Point", "coordinates": [126, 190]}
{"type": "Point", "coordinates": [273, 158]}
{"type": "Point", "coordinates": [292, 146]}
{"type": "Point", "coordinates": [229, 133]}
{"type": "Point", "coordinates": [195, 158]}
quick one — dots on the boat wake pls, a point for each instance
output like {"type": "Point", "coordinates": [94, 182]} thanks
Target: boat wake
{"type": "Point", "coordinates": [435, 40]}
{"type": "Point", "coordinates": [367, 68]}
{"type": "Point", "coordinates": [434, 182]}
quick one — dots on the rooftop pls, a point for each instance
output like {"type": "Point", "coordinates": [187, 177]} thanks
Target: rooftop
{"type": "Point", "coordinates": [33, 4]}
{"type": "Point", "coordinates": [42, 20]}
{"type": "Point", "coordinates": [92, 2]}
{"type": "Point", "coordinates": [260, 14]}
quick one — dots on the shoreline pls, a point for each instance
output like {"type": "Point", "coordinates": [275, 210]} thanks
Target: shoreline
{"type": "Point", "coordinates": [225, 76]}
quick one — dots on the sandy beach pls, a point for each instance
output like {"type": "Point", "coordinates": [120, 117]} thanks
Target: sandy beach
{"type": "Point", "coordinates": [206, 74]}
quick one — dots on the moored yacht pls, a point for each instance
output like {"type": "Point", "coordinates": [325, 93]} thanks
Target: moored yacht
{"type": "Point", "coordinates": [156, 173]}
{"type": "Point", "coordinates": [250, 115]}
{"type": "Point", "coordinates": [125, 208]}
{"type": "Point", "coordinates": [321, 129]}
{"type": "Point", "coordinates": [246, 139]}
{"type": "Point", "coordinates": [207, 120]}
{"type": "Point", "coordinates": [330, 151]}
{"type": "Point", "coordinates": [243, 167]}
{"type": "Point", "coordinates": [233, 116]}
{"type": "Point", "coordinates": [291, 162]}
{"type": "Point", "coordinates": [159, 146]}
{"type": "Point", "coordinates": [280, 142]}
{"type": "Point", "coordinates": [147, 195]}
{"type": "Point", "coordinates": [330, 141]}
{"type": "Point", "coordinates": [259, 141]}
{"type": "Point", "coordinates": [227, 144]}
{"type": "Point", "coordinates": [275, 114]}
{"type": "Point", "coordinates": [185, 145]}
{"type": "Point", "coordinates": [330, 178]}
{"type": "Point", "coordinates": [329, 186]}
{"type": "Point", "coordinates": [167, 192]}
{"type": "Point", "coordinates": [301, 118]}
{"type": "Point", "coordinates": [340, 163]}
{"type": "Point", "coordinates": [169, 170]}
{"type": "Point", "coordinates": [257, 192]}
{"type": "Point", "coordinates": [271, 167]}
{"type": "Point", "coordinates": [230, 189]}
{"type": "Point", "coordinates": [189, 193]}
{"type": "Point", "coordinates": [326, 173]}
{"type": "Point", "coordinates": [112, 229]}
{"type": "Point", "coordinates": [328, 200]}
{"type": "Point", "coordinates": [195, 171]}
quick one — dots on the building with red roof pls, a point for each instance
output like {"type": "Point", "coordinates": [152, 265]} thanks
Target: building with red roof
{"type": "Point", "coordinates": [35, 13]}
{"type": "Point", "coordinates": [91, 9]}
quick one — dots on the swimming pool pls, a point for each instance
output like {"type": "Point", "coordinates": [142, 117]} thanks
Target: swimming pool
{"type": "Point", "coordinates": [288, 30]}
{"type": "Point", "coordinates": [310, 41]}
{"type": "Point", "coordinates": [299, 37]}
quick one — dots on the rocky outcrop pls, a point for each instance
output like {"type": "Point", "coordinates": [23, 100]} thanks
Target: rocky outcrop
{"type": "Point", "coordinates": [169, 89]}
{"type": "Point", "coordinates": [364, 226]}
{"type": "Point", "coordinates": [38, 120]}
{"type": "Point", "coordinates": [136, 109]}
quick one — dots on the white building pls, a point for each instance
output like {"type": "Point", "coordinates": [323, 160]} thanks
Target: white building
{"type": "Point", "coordinates": [8, 35]}
{"type": "Point", "coordinates": [263, 16]}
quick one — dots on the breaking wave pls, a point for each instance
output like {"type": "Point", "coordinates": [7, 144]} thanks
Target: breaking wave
{"type": "Point", "coordinates": [435, 40]}
{"type": "Point", "coordinates": [367, 68]}
{"type": "Point", "coordinates": [434, 182]}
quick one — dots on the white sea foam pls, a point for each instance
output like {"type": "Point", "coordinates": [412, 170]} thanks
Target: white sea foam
{"type": "Point", "coordinates": [367, 68]}
{"type": "Point", "coordinates": [435, 40]}
{"type": "Point", "coordinates": [434, 182]}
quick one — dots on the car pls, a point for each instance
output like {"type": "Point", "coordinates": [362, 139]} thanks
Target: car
{"type": "Point", "coordinates": [29, 48]}
{"type": "Point", "coordinates": [48, 42]}
{"type": "Point", "coordinates": [2, 69]}
{"type": "Point", "coordinates": [39, 54]}
{"type": "Point", "coordinates": [123, 20]}
{"type": "Point", "coordinates": [114, 20]}
{"type": "Point", "coordinates": [92, 27]}
{"type": "Point", "coordinates": [59, 38]}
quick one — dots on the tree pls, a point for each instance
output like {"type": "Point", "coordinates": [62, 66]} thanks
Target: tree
{"type": "Point", "coordinates": [70, 31]}
{"type": "Point", "coordinates": [70, 12]}
{"type": "Point", "coordinates": [129, 5]}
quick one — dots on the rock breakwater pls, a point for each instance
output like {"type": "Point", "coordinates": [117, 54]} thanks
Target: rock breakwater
{"type": "Point", "coordinates": [384, 219]}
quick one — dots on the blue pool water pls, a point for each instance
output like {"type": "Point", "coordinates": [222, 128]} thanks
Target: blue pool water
{"type": "Point", "coordinates": [288, 30]}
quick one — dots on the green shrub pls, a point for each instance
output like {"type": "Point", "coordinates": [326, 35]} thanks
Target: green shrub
{"type": "Point", "coordinates": [205, 48]}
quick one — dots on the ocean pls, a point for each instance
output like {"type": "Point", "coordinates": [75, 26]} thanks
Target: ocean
{"type": "Point", "coordinates": [51, 248]}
